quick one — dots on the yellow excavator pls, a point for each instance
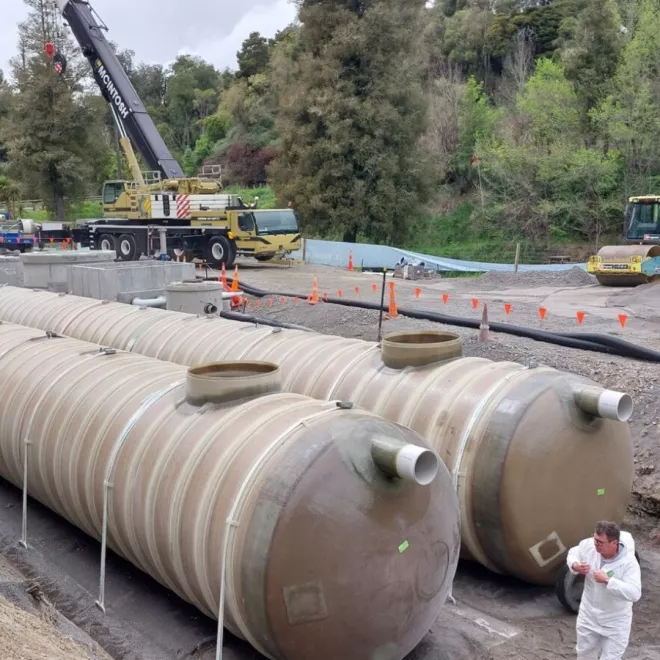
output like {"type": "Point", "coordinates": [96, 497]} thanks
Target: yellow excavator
{"type": "Point", "coordinates": [639, 261]}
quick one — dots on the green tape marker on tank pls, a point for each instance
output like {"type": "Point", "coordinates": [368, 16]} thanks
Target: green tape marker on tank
{"type": "Point", "coordinates": [601, 491]}
{"type": "Point", "coordinates": [403, 547]}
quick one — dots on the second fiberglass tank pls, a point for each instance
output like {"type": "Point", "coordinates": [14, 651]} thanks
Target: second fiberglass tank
{"type": "Point", "coordinates": [537, 456]}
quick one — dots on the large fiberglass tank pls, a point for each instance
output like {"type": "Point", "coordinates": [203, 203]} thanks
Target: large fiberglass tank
{"type": "Point", "coordinates": [537, 456]}
{"type": "Point", "coordinates": [336, 532]}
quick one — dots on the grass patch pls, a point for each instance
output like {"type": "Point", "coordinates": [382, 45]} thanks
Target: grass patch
{"type": "Point", "coordinates": [266, 195]}
{"type": "Point", "coordinates": [80, 211]}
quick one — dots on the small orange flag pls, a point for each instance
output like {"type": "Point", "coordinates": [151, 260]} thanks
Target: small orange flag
{"type": "Point", "coordinates": [270, 302]}
{"type": "Point", "coordinates": [445, 298]}
{"type": "Point", "coordinates": [340, 294]}
{"type": "Point", "coordinates": [580, 317]}
{"type": "Point", "coordinates": [282, 300]}
{"type": "Point", "coordinates": [507, 308]}
{"type": "Point", "coordinates": [475, 303]}
{"type": "Point", "coordinates": [374, 288]}
{"type": "Point", "coordinates": [418, 293]}
{"type": "Point", "coordinates": [296, 300]}
{"type": "Point", "coordinates": [542, 312]}
{"type": "Point", "coordinates": [623, 319]}
{"type": "Point", "coordinates": [357, 290]}
{"type": "Point", "coordinates": [325, 296]}
{"type": "Point", "coordinates": [259, 303]}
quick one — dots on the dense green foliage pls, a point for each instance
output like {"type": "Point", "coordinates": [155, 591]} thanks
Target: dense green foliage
{"type": "Point", "coordinates": [461, 126]}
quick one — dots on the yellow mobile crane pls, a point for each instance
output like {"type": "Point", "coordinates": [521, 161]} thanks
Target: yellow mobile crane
{"type": "Point", "coordinates": [192, 213]}
{"type": "Point", "coordinates": [639, 261]}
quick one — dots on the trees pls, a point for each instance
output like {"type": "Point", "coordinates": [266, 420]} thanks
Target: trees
{"type": "Point", "coordinates": [10, 194]}
{"type": "Point", "coordinates": [591, 43]}
{"type": "Point", "coordinates": [351, 113]}
{"type": "Point", "coordinates": [53, 133]}
{"type": "Point", "coordinates": [254, 56]}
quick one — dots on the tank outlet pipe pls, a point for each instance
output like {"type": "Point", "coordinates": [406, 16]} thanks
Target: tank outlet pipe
{"type": "Point", "coordinates": [224, 382]}
{"type": "Point", "coordinates": [161, 301]}
{"type": "Point", "coordinates": [405, 461]}
{"type": "Point", "coordinates": [607, 404]}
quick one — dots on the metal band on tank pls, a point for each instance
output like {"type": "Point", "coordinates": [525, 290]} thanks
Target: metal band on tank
{"type": "Point", "coordinates": [348, 367]}
{"type": "Point", "coordinates": [468, 538]}
{"type": "Point", "coordinates": [69, 321]}
{"type": "Point", "coordinates": [233, 522]}
{"type": "Point", "coordinates": [107, 483]}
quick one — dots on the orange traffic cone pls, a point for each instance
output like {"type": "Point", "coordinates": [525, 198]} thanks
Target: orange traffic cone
{"type": "Point", "coordinates": [223, 277]}
{"type": "Point", "coordinates": [314, 298]}
{"type": "Point", "coordinates": [393, 311]}
{"type": "Point", "coordinates": [234, 284]}
{"type": "Point", "coordinates": [350, 260]}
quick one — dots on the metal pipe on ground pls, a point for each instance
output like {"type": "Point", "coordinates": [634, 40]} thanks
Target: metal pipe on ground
{"type": "Point", "coordinates": [516, 440]}
{"type": "Point", "coordinates": [319, 522]}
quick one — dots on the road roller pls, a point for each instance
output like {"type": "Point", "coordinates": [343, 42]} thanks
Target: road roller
{"type": "Point", "coordinates": [639, 261]}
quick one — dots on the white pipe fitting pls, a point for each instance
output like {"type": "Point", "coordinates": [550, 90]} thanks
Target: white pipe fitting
{"type": "Point", "coordinates": [405, 461]}
{"type": "Point", "coordinates": [607, 404]}
{"type": "Point", "coordinates": [161, 301]}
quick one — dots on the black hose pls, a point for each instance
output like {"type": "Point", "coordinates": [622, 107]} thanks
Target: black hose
{"type": "Point", "coordinates": [257, 320]}
{"type": "Point", "coordinates": [583, 341]}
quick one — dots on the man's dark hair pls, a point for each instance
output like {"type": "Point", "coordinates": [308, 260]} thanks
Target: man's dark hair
{"type": "Point", "coordinates": [610, 529]}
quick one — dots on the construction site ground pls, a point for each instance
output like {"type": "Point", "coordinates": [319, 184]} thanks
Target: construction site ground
{"type": "Point", "coordinates": [494, 617]}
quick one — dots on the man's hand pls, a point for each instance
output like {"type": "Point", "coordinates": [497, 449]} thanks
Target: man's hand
{"type": "Point", "coordinates": [601, 577]}
{"type": "Point", "coordinates": [582, 569]}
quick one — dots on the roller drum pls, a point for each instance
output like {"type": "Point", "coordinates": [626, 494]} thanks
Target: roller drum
{"type": "Point", "coordinates": [533, 470]}
{"type": "Point", "coordinates": [621, 254]}
{"type": "Point", "coordinates": [328, 555]}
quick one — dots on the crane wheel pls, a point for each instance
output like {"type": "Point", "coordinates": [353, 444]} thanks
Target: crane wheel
{"type": "Point", "coordinates": [106, 242]}
{"type": "Point", "coordinates": [220, 250]}
{"type": "Point", "coordinates": [127, 248]}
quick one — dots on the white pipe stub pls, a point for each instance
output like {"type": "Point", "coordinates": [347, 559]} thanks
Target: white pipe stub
{"type": "Point", "coordinates": [417, 464]}
{"type": "Point", "coordinates": [607, 404]}
{"type": "Point", "coordinates": [615, 405]}
{"type": "Point", "coordinates": [405, 461]}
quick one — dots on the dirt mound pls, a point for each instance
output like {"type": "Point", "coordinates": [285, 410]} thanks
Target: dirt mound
{"type": "Point", "coordinates": [527, 279]}
{"type": "Point", "coordinates": [27, 636]}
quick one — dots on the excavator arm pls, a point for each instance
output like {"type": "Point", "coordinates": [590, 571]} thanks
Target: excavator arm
{"type": "Point", "coordinates": [129, 111]}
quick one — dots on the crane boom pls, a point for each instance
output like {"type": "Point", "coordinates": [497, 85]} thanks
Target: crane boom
{"type": "Point", "coordinates": [117, 88]}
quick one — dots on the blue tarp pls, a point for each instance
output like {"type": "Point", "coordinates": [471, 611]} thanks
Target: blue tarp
{"type": "Point", "coordinates": [330, 253]}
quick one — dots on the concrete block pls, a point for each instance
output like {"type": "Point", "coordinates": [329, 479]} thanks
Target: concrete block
{"type": "Point", "coordinates": [11, 271]}
{"type": "Point", "coordinates": [124, 281]}
{"type": "Point", "coordinates": [40, 268]}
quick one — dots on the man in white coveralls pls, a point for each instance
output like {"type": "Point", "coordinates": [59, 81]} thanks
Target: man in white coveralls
{"type": "Point", "coordinates": [612, 584]}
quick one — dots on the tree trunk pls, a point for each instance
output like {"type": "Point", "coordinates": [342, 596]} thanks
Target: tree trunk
{"type": "Point", "coordinates": [59, 209]}
{"type": "Point", "coordinates": [350, 234]}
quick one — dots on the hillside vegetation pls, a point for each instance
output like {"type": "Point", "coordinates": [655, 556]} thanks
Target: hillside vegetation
{"type": "Point", "coordinates": [461, 128]}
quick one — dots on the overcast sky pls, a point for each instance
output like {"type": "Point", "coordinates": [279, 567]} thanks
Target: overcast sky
{"type": "Point", "coordinates": [158, 30]}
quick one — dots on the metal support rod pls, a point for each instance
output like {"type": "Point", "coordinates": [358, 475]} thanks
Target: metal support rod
{"type": "Point", "coordinates": [23, 542]}
{"type": "Point", "coordinates": [382, 305]}
{"type": "Point", "coordinates": [223, 586]}
{"type": "Point", "coordinates": [100, 603]}
{"type": "Point", "coordinates": [517, 262]}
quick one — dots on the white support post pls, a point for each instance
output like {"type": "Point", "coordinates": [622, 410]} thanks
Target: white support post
{"type": "Point", "coordinates": [23, 542]}
{"type": "Point", "coordinates": [100, 603]}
